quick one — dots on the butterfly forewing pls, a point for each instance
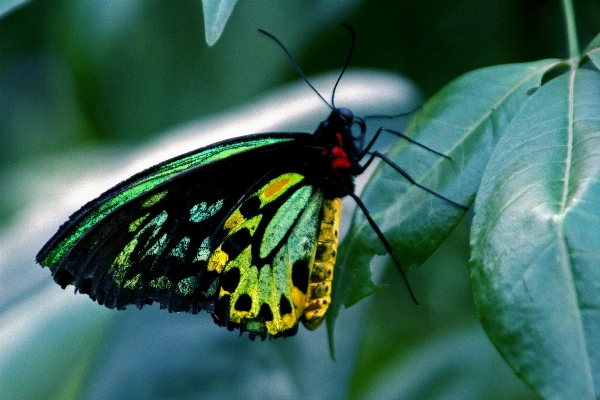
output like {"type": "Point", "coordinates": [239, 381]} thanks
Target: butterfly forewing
{"type": "Point", "coordinates": [142, 183]}
{"type": "Point", "coordinates": [154, 246]}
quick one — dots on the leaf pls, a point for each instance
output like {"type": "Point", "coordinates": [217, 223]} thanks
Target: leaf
{"type": "Point", "coordinates": [593, 51]}
{"type": "Point", "coordinates": [216, 14]}
{"type": "Point", "coordinates": [464, 120]}
{"type": "Point", "coordinates": [438, 349]}
{"type": "Point", "coordinates": [536, 243]}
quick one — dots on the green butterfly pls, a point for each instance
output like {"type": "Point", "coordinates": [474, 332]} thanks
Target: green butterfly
{"type": "Point", "coordinates": [246, 229]}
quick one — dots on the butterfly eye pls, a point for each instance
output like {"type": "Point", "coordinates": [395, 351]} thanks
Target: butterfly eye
{"type": "Point", "coordinates": [346, 114]}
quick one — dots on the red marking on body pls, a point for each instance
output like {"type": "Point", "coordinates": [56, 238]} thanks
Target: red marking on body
{"type": "Point", "coordinates": [340, 158]}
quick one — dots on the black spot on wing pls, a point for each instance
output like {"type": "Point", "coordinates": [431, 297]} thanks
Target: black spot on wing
{"type": "Point", "coordinates": [290, 332]}
{"type": "Point", "coordinates": [284, 306]}
{"type": "Point", "coordinates": [230, 279]}
{"type": "Point", "coordinates": [65, 278]}
{"type": "Point", "coordinates": [86, 286]}
{"type": "Point", "coordinates": [250, 207]}
{"type": "Point", "coordinates": [265, 313]}
{"type": "Point", "coordinates": [237, 242]}
{"type": "Point", "coordinates": [243, 303]}
{"type": "Point", "coordinates": [300, 275]}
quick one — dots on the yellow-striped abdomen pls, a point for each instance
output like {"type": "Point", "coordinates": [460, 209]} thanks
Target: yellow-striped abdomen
{"type": "Point", "coordinates": [319, 289]}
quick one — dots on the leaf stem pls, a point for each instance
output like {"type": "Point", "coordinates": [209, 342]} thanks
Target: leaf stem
{"type": "Point", "coordinates": [571, 28]}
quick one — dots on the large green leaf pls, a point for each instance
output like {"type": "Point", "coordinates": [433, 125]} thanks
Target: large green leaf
{"type": "Point", "coordinates": [438, 349]}
{"type": "Point", "coordinates": [536, 239]}
{"type": "Point", "coordinates": [464, 120]}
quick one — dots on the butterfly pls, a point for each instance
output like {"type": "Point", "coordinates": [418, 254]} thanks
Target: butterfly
{"type": "Point", "coordinates": [246, 229]}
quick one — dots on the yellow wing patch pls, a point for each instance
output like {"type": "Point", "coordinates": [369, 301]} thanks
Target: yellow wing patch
{"type": "Point", "coordinates": [276, 187]}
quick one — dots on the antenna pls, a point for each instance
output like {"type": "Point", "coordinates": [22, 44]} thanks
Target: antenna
{"type": "Point", "coordinates": [347, 61]}
{"type": "Point", "coordinates": [295, 64]}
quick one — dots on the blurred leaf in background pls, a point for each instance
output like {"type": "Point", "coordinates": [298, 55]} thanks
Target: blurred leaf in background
{"type": "Point", "coordinates": [216, 14]}
{"type": "Point", "coordinates": [7, 6]}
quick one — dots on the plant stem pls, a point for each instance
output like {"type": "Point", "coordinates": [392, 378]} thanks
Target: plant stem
{"type": "Point", "coordinates": [571, 28]}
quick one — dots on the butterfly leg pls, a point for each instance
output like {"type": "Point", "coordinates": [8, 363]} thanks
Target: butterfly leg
{"type": "Point", "coordinates": [399, 134]}
{"type": "Point", "coordinates": [404, 114]}
{"type": "Point", "coordinates": [386, 244]}
{"type": "Point", "coordinates": [408, 177]}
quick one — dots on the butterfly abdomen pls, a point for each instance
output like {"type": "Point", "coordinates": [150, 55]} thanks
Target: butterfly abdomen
{"type": "Point", "coordinates": [319, 289]}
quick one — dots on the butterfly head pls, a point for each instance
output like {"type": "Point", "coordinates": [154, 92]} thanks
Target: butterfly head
{"type": "Point", "coordinates": [344, 115]}
{"type": "Point", "coordinates": [339, 120]}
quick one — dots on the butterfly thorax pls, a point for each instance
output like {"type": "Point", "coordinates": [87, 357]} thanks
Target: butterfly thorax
{"type": "Point", "coordinates": [339, 157]}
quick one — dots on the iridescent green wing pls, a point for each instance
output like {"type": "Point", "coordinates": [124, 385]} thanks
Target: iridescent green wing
{"type": "Point", "coordinates": [264, 255]}
{"type": "Point", "coordinates": [148, 239]}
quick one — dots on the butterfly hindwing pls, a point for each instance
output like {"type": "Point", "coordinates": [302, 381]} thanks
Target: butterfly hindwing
{"type": "Point", "coordinates": [265, 257]}
{"type": "Point", "coordinates": [274, 258]}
